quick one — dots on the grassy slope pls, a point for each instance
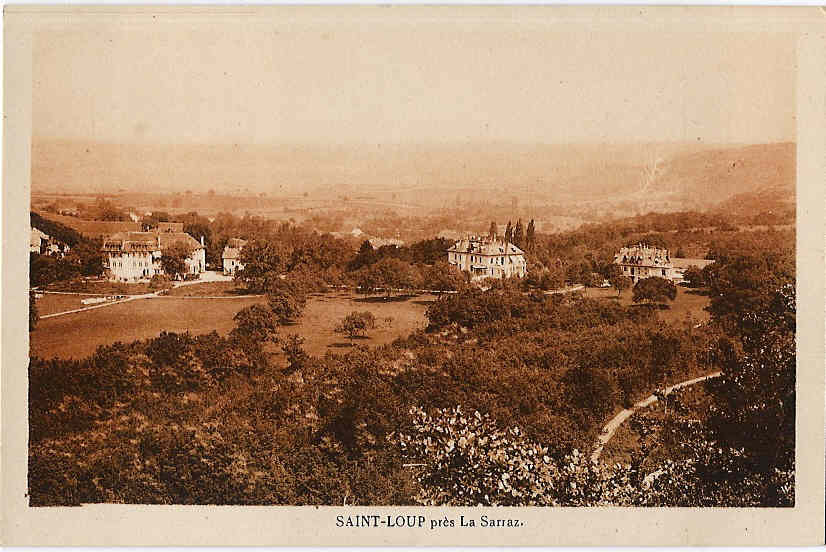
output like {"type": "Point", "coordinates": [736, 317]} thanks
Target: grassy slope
{"type": "Point", "coordinates": [78, 335]}
{"type": "Point", "coordinates": [688, 301]}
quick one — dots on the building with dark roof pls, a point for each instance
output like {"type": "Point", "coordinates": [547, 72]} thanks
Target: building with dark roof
{"type": "Point", "coordinates": [232, 255]}
{"type": "Point", "coordinates": [134, 256]}
{"type": "Point", "coordinates": [643, 261]}
{"type": "Point", "coordinates": [487, 258]}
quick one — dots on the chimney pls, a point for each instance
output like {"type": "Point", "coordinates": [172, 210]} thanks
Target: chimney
{"type": "Point", "coordinates": [202, 240]}
{"type": "Point", "coordinates": [159, 240]}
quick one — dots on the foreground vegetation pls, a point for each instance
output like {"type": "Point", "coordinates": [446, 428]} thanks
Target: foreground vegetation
{"type": "Point", "coordinates": [213, 419]}
{"type": "Point", "coordinates": [497, 401]}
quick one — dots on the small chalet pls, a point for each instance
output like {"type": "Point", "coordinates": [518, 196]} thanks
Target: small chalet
{"type": "Point", "coordinates": [232, 255]}
{"type": "Point", "coordinates": [484, 257]}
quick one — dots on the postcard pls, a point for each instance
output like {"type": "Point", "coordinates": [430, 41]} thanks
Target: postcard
{"type": "Point", "coordinates": [413, 275]}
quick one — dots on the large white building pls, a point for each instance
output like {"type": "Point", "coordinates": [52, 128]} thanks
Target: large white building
{"type": "Point", "coordinates": [487, 258]}
{"type": "Point", "coordinates": [134, 256]}
{"type": "Point", "coordinates": [232, 255]}
{"type": "Point", "coordinates": [643, 261]}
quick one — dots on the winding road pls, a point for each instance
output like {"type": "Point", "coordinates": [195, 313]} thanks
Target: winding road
{"type": "Point", "coordinates": [612, 426]}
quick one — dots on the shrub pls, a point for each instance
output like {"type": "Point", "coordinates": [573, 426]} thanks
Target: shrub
{"type": "Point", "coordinates": [356, 324]}
{"type": "Point", "coordinates": [160, 281]}
{"type": "Point", "coordinates": [654, 290]}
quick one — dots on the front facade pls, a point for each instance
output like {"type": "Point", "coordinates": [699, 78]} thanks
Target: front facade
{"type": "Point", "coordinates": [38, 241]}
{"type": "Point", "coordinates": [642, 261]}
{"type": "Point", "coordinates": [135, 256]}
{"type": "Point", "coordinates": [231, 256]}
{"type": "Point", "coordinates": [487, 258]}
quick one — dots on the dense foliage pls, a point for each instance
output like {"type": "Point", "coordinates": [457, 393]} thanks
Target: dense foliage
{"type": "Point", "coordinates": [654, 290]}
{"type": "Point", "coordinates": [252, 418]}
{"type": "Point", "coordinates": [83, 259]}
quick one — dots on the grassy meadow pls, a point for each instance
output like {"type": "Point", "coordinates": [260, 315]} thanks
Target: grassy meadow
{"type": "Point", "coordinates": [77, 335]}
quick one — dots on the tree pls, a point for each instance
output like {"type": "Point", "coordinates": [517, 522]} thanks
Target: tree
{"type": "Point", "coordinates": [356, 324]}
{"type": "Point", "coordinates": [366, 256]}
{"type": "Point", "coordinates": [620, 283]}
{"type": "Point", "coordinates": [509, 233]}
{"type": "Point", "coordinates": [469, 461]}
{"type": "Point", "coordinates": [173, 259]}
{"type": "Point", "coordinates": [519, 234]}
{"type": "Point", "coordinates": [754, 398]}
{"type": "Point", "coordinates": [654, 290]}
{"type": "Point", "coordinates": [286, 305]}
{"type": "Point", "coordinates": [262, 261]}
{"type": "Point", "coordinates": [579, 273]}
{"type": "Point", "coordinates": [293, 348]}
{"type": "Point", "coordinates": [530, 237]}
{"type": "Point", "coordinates": [254, 327]}
{"type": "Point", "coordinates": [33, 315]}
{"type": "Point", "coordinates": [257, 323]}
{"type": "Point", "coordinates": [694, 277]}
{"type": "Point", "coordinates": [493, 231]}
{"type": "Point", "coordinates": [742, 284]}
{"type": "Point", "coordinates": [443, 276]}
{"type": "Point", "coordinates": [665, 349]}
{"type": "Point", "coordinates": [386, 275]}
{"type": "Point", "coordinates": [87, 257]}
{"type": "Point", "coordinates": [552, 278]}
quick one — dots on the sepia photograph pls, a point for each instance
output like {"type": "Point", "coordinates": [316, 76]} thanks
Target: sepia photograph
{"type": "Point", "coordinates": [389, 258]}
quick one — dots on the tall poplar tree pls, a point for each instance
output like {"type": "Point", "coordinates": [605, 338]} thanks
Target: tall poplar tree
{"type": "Point", "coordinates": [519, 234]}
{"type": "Point", "coordinates": [530, 236]}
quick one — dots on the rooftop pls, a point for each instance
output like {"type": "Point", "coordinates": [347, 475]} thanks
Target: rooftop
{"type": "Point", "coordinates": [484, 246]}
{"type": "Point", "coordinates": [147, 241]}
{"type": "Point", "coordinates": [643, 255]}
{"type": "Point", "coordinates": [233, 248]}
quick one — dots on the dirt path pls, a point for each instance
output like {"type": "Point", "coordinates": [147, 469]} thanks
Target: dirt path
{"type": "Point", "coordinates": [101, 305]}
{"type": "Point", "coordinates": [206, 278]}
{"type": "Point", "coordinates": [612, 426]}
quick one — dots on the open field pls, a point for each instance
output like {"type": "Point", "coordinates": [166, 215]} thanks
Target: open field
{"type": "Point", "coordinates": [688, 301]}
{"type": "Point", "coordinates": [78, 335]}
{"type": "Point", "coordinates": [51, 303]}
{"type": "Point", "coordinates": [324, 311]}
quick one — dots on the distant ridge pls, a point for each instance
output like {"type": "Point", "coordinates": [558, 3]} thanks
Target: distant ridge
{"type": "Point", "coordinates": [627, 178]}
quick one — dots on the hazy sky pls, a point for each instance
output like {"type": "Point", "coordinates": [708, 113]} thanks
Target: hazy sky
{"type": "Point", "coordinates": [349, 83]}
